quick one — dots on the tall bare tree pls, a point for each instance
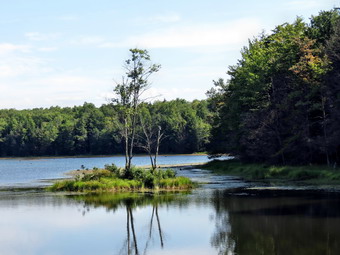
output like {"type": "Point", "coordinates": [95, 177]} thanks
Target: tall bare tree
{"type": "Point", "coordinates": [128, 97]}
{"type": "Point", "coordinates": [152, 135]}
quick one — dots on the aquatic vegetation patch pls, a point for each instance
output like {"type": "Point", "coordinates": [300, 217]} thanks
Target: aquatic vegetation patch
{"type": "Point", "coordinates": [113, 178]}
{"type": "Point", "coordinates": [317, 174]}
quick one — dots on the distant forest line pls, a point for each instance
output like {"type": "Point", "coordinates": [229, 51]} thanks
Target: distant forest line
{"type": "Point", "coordinates": [91, 130]}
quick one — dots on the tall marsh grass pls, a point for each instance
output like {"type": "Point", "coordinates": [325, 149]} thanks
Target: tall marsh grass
{"type": "Point", "coordinates": [313, 174]}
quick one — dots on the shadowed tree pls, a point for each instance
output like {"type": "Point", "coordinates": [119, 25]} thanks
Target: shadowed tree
{"type": "Point", "coordinates": [277, 107]}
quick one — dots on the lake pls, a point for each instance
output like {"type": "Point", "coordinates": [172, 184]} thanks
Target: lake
{"type": "Point", "coordinates": [35, 171]}
{"type": "Point", "coordinates": [225, 215]}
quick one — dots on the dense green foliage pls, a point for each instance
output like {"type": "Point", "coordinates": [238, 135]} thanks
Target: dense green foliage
{"type": "Point", "coordinates": [116, 179]}
{"type": "Point", "coordinates": [286, 174]}
{"type": "Point", "coordinates": [90, 130]}
{"type": "Point", "coordinates": [281, 104]}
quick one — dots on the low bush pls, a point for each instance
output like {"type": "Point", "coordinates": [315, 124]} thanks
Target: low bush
{"type": "Point", "coordinates": [114, 169]}
{"type": "Point", "coordinates": [96, 175]}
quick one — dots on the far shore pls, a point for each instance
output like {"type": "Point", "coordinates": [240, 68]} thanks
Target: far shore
{"type": "Point", "coordinates": [100, 156]}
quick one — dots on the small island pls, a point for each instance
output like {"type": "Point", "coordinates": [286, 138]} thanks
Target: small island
{"type": "Point", "coordinates": [116, 179]}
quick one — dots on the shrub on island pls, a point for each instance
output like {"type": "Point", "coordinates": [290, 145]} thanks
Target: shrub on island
{"type": "Point", "coordinates": [113, 178]}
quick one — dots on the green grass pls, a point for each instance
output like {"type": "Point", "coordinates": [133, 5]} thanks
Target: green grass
{"type": "Point", "coordinates": [257, 172]}
{"type": "Point", "coordinates": [113, 179]}
{"type": "Point", "coordinates": [176, 183]}
{"type": "Point", "coordinates": [103, 184]}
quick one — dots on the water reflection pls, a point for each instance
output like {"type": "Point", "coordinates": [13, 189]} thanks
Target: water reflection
{"type": "Point", "coordinates": [266, 222]}
{"type": "Point", "coordinates": [132, 202]}
{"type": "Point", "coordinates": [201, 223]}
{"type": "Point", "coordinates": [276, 222]}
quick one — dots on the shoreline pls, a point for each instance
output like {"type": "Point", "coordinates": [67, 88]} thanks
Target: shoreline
{"type": "Point", "coordinates": [280, 176]}
{"type": "Point", "coordinates": [270, 184]}
{"type": "Point", "coordinates": [97, 156]}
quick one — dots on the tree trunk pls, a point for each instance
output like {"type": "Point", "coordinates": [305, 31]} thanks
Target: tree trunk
{"type": "Point", "coordinates": [128, 230]}
{"type": "Point", "coordinates": [133, 232]}
{"type": "Point", "coordinates": [126, 144]}
{"type": "Point", "coordinates": [323, 99]}
{"type": "Point", "coordinates": [159, 228]}
{"type": "Point", "coordinates": [159, 136]}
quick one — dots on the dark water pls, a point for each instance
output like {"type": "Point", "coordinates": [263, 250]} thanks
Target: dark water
{"type": "Point", "coordinates": [207, 221]}
{"type": "Point", "coordinates": [30, 172]}
{"type": "Point", "coordinates": [223, 216]}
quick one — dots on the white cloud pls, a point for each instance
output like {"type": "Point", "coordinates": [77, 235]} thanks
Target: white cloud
{"type": "Point", "coordinates": [88, 40]}
{"type": "Point", "coordinates": [37, 36]}
{"type": "Point", "coordinates": [169, 18]}
{"type": "Point", "coordinates": [302, 4]}
{"type": "Point", "coordinates": [69, 83]}
{"type": "Point", "coordinates": [111, 45]}
{"type": "Point", "coordinates": [194, 35]}
{"type": "Point", "coordinates": [47, 49]}
{"type": "Point", "coordinates": [53, 89]}
{"type": "Point", "coordinates": [9, 47]}
{"type": "Point", "coordinates": [28, 65]}
{"type": "Point", "coordinates": [17, 60]}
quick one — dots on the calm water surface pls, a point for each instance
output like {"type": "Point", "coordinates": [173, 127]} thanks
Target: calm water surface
{"type": "Point", "coordinates": [207, 221]}
{"type": "Point", "coordinates": [30, 172]}
{"type": "Point", "coordinates": [223, 216]}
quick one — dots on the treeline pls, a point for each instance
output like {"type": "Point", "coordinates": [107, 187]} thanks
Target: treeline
{"type": "Point", "coordinates": [90, 130]}
{"type": "Point", "coordinates": [281, 104]}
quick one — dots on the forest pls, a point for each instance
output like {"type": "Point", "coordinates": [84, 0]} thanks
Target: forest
{"type": "Point", "coordinates": [281, 104]}
{"type": "Point", "coordinates": [91, 130]}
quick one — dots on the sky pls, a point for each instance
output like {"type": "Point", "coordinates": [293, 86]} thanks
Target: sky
{"type": "Point", "coordinates": [68, 52]}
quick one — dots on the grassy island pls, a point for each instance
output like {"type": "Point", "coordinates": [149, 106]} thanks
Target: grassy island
{"type": "Point", "coordinates": [115, 179]}
{"type": "Point", "coordinates": [314, 174]}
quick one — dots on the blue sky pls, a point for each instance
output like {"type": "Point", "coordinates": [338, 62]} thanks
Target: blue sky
{"type": "Point", "coordinates": [67, 52]}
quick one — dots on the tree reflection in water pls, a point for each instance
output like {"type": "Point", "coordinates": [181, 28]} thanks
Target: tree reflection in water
{"type": "Point", "coordinates": [154, 209]}
{"type": "Point", "coordinates": [131, 246]}
{"type": "Point", "coordinates": [276, 222]}
{"type": "Point", "coordinates": [222, 240]}
{"type": "Point", "coordinates": [131, 201]}
{"type": "Point", "coordinates": [246, 222]}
